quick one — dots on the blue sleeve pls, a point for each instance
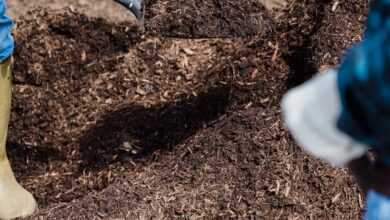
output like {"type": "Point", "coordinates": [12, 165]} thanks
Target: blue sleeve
{"type": "Point", "coordinates": [364, 82]}
{"type": "Point", "coordinates": [6, 39]}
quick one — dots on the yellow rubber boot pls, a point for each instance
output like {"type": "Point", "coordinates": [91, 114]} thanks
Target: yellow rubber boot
{"type": "Point", "coordinates": [15, 201]}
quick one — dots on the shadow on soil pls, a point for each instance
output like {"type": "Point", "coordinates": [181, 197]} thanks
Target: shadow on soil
{"type": "Point", "coordinates": [33, 158]}
{"type": "Point", "coordinates": [136, 131]}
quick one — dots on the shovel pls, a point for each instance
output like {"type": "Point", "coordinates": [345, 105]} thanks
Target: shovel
{"type": "Point", "coordinates": [135, 6]}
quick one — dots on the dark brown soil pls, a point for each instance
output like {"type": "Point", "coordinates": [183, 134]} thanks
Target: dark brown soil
{"type": "Point", "coordinates": [208, 18]}
{"type": "Point", "coordinates": [107, 9]}
{"type": "Point", "coordinates": [181, 121]}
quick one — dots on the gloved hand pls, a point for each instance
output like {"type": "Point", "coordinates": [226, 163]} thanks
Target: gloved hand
{"type": "Point", "coordinates": [311, 112]}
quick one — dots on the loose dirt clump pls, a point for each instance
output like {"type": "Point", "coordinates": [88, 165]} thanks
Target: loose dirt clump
{"type": "Point", "coordinates": [109, 10]}
{"type": "Point", "coordinates": [88, 94]}
{"type": "Point", "coordinates": [315, 33]}
{"type": "Point", "coordinates": [109, 122]}
{"type": "Point", "coordinates": [337, 32]}
{"type": "Point", "coordinates": [79, 42]}
{"type": "Point", "coordinates": [209, 18]}
{"type": "Point", "coordinates": [241, 165]}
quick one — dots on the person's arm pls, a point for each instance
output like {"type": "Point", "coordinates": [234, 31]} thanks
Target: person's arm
{"type": "Point", "coordinates": [336, 115]}
{"type": "Point", "coordinates": [337, 118]}
{"type": "Point", "coordinates": [363, 84]}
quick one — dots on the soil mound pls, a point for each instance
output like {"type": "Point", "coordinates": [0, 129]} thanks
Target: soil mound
{"type": "Point", "coordinates": [179, 121]}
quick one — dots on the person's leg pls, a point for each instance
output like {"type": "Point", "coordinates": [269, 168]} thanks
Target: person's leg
{"type": "Point", "coordinates": [15, 201]}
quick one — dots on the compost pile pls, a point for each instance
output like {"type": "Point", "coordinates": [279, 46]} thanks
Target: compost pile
{"type": "Point", "coordinates": [181, 120]}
